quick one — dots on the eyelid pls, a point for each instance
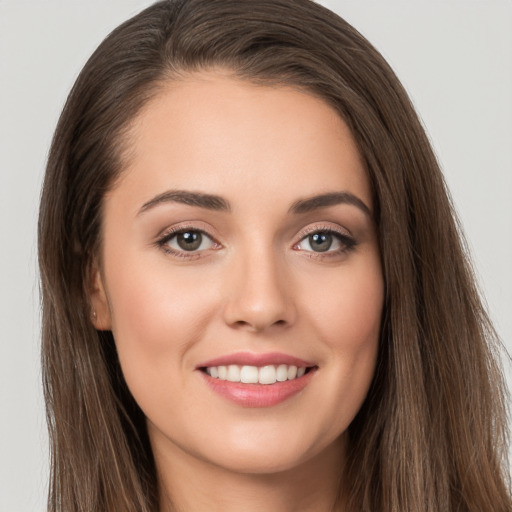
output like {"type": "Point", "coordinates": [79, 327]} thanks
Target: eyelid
{"type": "Point", "coordinates": [324, 226]}
{"type": "Point", "coordinates": [345, 238]}
{"type": "Point", "coordinates": [200, 226]}
{"type": "Point", "coordinates": [169, 233]}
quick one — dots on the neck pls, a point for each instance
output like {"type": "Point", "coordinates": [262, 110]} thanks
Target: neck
{"type": "Point", "coordinates": [189, 484]}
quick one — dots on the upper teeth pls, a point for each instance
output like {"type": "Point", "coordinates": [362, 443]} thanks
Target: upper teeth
{"type": "Point", "coordinates": [254, 374]}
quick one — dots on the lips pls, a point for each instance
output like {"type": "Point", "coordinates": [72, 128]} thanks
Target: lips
{"type": "Point", "coordinates": [257, 380]}
{"type": "Point", "coordinates": [251, 359]}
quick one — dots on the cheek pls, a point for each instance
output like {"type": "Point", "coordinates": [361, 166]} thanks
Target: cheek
{"type": "Point", "coordinates": [156, 316]}
{"type": "Point", "coordinates": [346, 317]}
{"type": "Point", "coordinates": [347, 311]}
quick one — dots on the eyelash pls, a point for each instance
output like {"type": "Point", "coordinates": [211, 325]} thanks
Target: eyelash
{"type": "Point", "coordinates": [348, 243]}
{"type": "Point", "coordinates": [163, 241]}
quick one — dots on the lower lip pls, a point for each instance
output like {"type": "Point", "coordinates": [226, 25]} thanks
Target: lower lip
{"type": "Point", "coordinates": [258, 395]}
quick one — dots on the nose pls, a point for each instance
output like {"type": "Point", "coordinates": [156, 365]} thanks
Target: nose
{"type": "Point", "coordinates": [259, 294]}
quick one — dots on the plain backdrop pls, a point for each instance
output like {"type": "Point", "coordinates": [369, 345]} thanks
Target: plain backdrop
{"type": "Point", "coordinates": [453, 56]}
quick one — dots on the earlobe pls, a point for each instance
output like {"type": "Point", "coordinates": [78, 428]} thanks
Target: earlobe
{"type": "Point", "coordinates": [100, 310]}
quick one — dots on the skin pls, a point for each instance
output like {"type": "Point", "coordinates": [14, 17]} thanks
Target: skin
{"type": "Point", "coordinates": [258, 286]}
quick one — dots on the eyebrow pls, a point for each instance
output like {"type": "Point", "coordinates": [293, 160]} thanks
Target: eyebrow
{"type": "Point", "coordinates": [217, 203]}
{"type": "Point", "coordinates": [208, 201]}
{"type": "Point", "coordinates": [330, 199]}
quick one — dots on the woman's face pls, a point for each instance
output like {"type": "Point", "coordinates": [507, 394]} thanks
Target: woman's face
{"type": "Point", "coordinates": [239, 244]}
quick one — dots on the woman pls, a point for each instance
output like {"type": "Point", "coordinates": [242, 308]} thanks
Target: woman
{"type": "Point", "coordinates": [254, 291]}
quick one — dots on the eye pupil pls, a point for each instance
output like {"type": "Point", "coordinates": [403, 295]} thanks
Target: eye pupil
{"type": "Point", "coordinates": [189, 240]}
{"type": "Point", "coordinates": [320, 242]}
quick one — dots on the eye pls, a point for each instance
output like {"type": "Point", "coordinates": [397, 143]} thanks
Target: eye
{"type": "Point", "coordinates": [319, 242]}
{"type": "Point", "coordinates": [326, 241]}
{"type": "Point", "coordinates": [186, 241]}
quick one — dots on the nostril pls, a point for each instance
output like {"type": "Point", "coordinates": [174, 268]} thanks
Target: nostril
{"type": "Point", "coordinates": [258, 324]}
{"type": "Point", "coordinates": [241, 323]}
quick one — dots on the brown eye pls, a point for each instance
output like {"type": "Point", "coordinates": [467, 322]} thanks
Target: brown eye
{"type": "Point", "coordinates": [189, 240]}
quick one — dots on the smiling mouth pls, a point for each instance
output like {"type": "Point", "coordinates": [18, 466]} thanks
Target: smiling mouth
{"type": "Point", "coordinates": [267, 375]}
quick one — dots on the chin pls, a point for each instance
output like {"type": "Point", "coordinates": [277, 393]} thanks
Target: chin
{"type": "Point", "coordinates": [256, 455]}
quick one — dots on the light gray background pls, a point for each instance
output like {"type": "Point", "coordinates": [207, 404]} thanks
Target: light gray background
{"type": "Point", "coordinates": [453, 56]}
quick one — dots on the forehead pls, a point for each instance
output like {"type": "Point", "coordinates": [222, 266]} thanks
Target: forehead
{"type": "Point", "coordinates": [213, 133]}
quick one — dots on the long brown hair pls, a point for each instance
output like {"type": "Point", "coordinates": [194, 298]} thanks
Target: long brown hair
{"type": "Point", "coordinates": [431, 435]}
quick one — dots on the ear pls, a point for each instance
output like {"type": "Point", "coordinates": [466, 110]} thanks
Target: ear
{"type": "Point", "coordinates": [100, 309]}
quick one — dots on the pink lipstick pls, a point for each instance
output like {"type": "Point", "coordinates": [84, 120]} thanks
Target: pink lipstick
{"type": "Point", "coordinates": [257, 380]}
